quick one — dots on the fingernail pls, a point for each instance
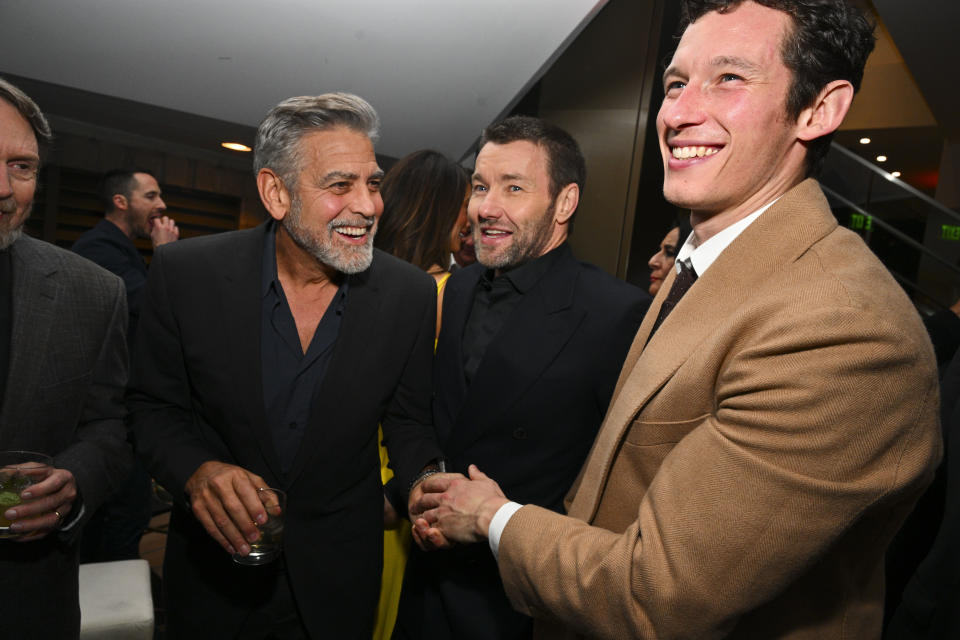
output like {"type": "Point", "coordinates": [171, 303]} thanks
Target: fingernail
{"type": "Point", "coordinates": [253, 536]}
{"type": "Point", "coordinates": [232, 550]}
{"type": "Point", "coordinates": [262, 518]}
{"type": "Point", "coordinates": [10, 514]}
{"type": "Point", "coordinates": [245, 550]}
{"type": "Point", "coordinates": [26, 495]}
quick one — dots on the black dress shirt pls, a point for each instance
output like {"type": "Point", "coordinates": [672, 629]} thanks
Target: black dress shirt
{"type": "Point", "coordinates": [291, 377]}
{"type": "Point", "coordinates": [494, 300]}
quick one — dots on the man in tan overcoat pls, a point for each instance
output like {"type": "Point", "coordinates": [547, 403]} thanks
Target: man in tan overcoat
{"type": "Point", "coordinates": [768, 437]}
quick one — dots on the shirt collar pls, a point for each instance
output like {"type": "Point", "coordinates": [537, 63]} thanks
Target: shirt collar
{"type": "Point", "coordinates": [704, 255]}
{"type": "Point", "coordinates": [269, 280]}
{"type": "Point", "coordinates": [526, 275]}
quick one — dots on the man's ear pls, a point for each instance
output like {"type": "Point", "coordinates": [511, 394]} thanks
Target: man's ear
{"type": "Point", "coordinates": [566, 203]}
{"type": "Point", "coordinates": [273, 193]}
{"type": "Point", "coordinates": [827, 112]}
{"type": "Point", "coordinates": [120, 202]}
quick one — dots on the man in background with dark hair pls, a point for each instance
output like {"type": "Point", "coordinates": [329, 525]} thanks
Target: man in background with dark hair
{"type": "Point", "coordinates": [134, 209]}
{"type": "Point", "coordinates": [528, 354]}
{"type": "Point", "coordinates": [776, 418]}
{"type": "Point", "coordinates": [63, 368]}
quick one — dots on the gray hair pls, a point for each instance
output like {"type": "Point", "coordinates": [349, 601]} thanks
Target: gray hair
{"type": "Point", "coordinates": [29, 110]}
{"type": "Point", "coordinates": [278, 137]}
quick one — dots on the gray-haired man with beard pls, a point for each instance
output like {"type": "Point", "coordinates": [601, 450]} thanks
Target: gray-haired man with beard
{"type": "Point", "coordinates": [267, 357]}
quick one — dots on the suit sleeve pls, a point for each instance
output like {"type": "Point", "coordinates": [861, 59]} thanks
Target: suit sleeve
{"type": "Point", "coordinates": [159, 397]}
{"type": "Point", "coordinates": [99, 456]}
{"type": "Point", "coordinates": [823, 424]}
{"type": "Point", "coordinates": [407, 423]}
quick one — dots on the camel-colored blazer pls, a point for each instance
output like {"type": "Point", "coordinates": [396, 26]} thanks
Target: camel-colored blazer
{"type": "Point", "coordinates": [757, 456]}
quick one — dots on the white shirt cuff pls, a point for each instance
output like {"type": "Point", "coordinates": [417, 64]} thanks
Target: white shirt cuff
{"type": "Point", "coordinates": [498, 523]}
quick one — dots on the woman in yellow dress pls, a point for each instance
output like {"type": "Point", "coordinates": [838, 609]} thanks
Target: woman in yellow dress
{"type": "Point", "coordinates": [425, 208]}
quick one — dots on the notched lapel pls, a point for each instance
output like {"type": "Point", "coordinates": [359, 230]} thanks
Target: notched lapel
{"type": "Point", "coordinates": [241, 298]}
{"type": "Point", "coordinates": [776, 239]}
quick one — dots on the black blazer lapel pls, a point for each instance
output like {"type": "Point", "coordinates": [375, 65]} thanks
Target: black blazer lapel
{"type": "Point", "coordinates": [449, 384]}
{"type": "Point", "coordinates": [530, 340]}
{"type": "Point", "coordinates": [34, 296]}
{"type": "Point", "coordinates": [241, 297]}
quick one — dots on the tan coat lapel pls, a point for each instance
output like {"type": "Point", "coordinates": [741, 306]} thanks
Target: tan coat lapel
{"type": "Point", "coordinates": [754, 256]}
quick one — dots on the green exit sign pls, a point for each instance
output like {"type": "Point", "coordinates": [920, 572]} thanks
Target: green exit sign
{"type": "Point", "coordinates": [949, 232]}
{"type": "Point", "coordinates": [860, 222]}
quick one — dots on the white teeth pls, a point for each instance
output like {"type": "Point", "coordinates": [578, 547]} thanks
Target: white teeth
{"type": "Point", "coordinates": [693, 152]}
{"type": "Point", "coordinates": [352, 231]}
{"type": "Point", "coordinates": [494, 232]}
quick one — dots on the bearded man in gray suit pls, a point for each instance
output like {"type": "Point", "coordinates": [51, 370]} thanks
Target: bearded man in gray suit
{"type": "Point", "coordinates": [63, 368]}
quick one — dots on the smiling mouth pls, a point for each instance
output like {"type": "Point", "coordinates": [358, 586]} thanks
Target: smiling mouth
{"type": "Point", "coordinates": [495, 233]}
{"type": "Point", "coordinates": [352, 232]}
{"type": "Point", "coordinates": [683, 153]}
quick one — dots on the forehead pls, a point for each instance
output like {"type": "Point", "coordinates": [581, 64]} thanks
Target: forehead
{"type": "Point", "coordinates": [16, 135]}
{"type": "Point", "coordinates": [521, 158]}
{"type": "Point", "coordinates": [749, 33]}
{"type": "Point", "coordinates": [330, 149]}
{"type": "Point", "coordinates": [146, 182]}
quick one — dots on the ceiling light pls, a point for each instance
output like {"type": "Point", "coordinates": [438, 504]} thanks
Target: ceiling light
{"type": "Point", "coordinates": [864, 140]}
{"type": "Point", "coordinates": [235, 146]}
{"type": "Point", "coordinates": [881, 158]}
{"type": "Point", "coordinates": [895, 174]}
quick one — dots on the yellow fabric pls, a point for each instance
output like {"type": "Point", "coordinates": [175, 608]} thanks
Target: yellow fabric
{"type": "Point", "coordinates": [396, 546]}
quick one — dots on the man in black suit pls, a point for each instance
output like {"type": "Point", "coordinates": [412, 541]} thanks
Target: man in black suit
{"type": "Point", "coordinates": [528, 355]}
{"type": "Point", "coordinates": [134, 209]}
{"type": "Point", "coordinates": [267, 357]}
{"type": "Point", "coordinates": [63, 367]}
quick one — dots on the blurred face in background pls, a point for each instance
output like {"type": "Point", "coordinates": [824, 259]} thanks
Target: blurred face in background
{"type": "Point", "coordinates": [461, 238]}
{"type": "Point", "coordinates": [20, 156]}
{"type": "Point", "coordinates": [662, 261]}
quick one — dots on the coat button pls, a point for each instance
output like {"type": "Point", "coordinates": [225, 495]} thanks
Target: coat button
{"type": "Point", "coordinates": [520, 433]}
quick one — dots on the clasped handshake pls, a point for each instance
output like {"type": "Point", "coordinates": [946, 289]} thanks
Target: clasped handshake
{"type": "Point", "coordinates": [450, 508]}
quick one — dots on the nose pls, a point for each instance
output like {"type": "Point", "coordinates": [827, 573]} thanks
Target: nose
{"type": "Point", "coordinates": [161, 204]}
{"type": "Point", "coordinates": [367, 203]}
{"type": "Point", "coordinates": [656, 260]}
{"type": "Point", "coordinates": [685, 109]}
{"type": "Point", "coordinates": [488, 207]}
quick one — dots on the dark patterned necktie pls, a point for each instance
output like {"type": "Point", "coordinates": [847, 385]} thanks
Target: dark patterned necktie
{"type": "Point", "coordinates": [681, 283]}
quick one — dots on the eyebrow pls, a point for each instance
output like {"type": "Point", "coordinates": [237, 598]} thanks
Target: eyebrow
{"type": "Point", "coordinates": [721, 61]}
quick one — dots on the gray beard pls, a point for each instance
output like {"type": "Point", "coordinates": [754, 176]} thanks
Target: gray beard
{"type": "Point", "coordinates": [7, 238]}
{"type": "Point", "coordinates": [343, 259]}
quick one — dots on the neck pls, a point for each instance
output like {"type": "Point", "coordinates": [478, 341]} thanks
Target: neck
{"type": "Point", "coordinates": [298, 267]}
{"type": "Point", "coordinates": [120, 221]}
{"type": "Point", "coordinates": [707, 224]}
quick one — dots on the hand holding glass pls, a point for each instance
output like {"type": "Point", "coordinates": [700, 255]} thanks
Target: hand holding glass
{"type": "Point", "coordinates": [267, 548]}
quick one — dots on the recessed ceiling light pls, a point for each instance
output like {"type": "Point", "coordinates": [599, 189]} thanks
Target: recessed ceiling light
{"type": "Point", "coordinates": [864, 140]}
{"type": "Point", "coordinates": [235, 146]}
{"type": "Point", "coordinates": [895, 174]}
{"type": "Point", "coordinates": [881, 158]}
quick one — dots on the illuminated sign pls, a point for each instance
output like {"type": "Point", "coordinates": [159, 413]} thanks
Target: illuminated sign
{"type": "Point", "coordinates": [949, 232]}
{"type": "Point", "coordinates": [859, 222]}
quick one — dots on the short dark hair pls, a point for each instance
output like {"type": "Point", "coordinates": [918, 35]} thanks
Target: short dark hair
{"type": "Point", "coordinates": [120, 181]}
{"type": "Point", "coordinates": [830, 40]}
{"type": "Point", "coordinates": [565, 162]}
{"type": "Point", "coordinates": [30, 112]}
{"type": "Point", "coordinates": [422, 195]}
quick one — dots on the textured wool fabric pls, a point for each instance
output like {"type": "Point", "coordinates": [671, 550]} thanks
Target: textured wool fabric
{"type": "Point", "coordinates": [758, 454]}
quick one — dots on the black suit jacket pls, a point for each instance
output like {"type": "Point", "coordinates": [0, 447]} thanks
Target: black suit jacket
{"type": "Point", "coordinates": [109, 247]}
{"type": "Point", "coordinates": [63, 397]}
{"type": "Point", "coordinates": [196, 395]}
{"type": "Point", "coordinates": [527, 419]}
